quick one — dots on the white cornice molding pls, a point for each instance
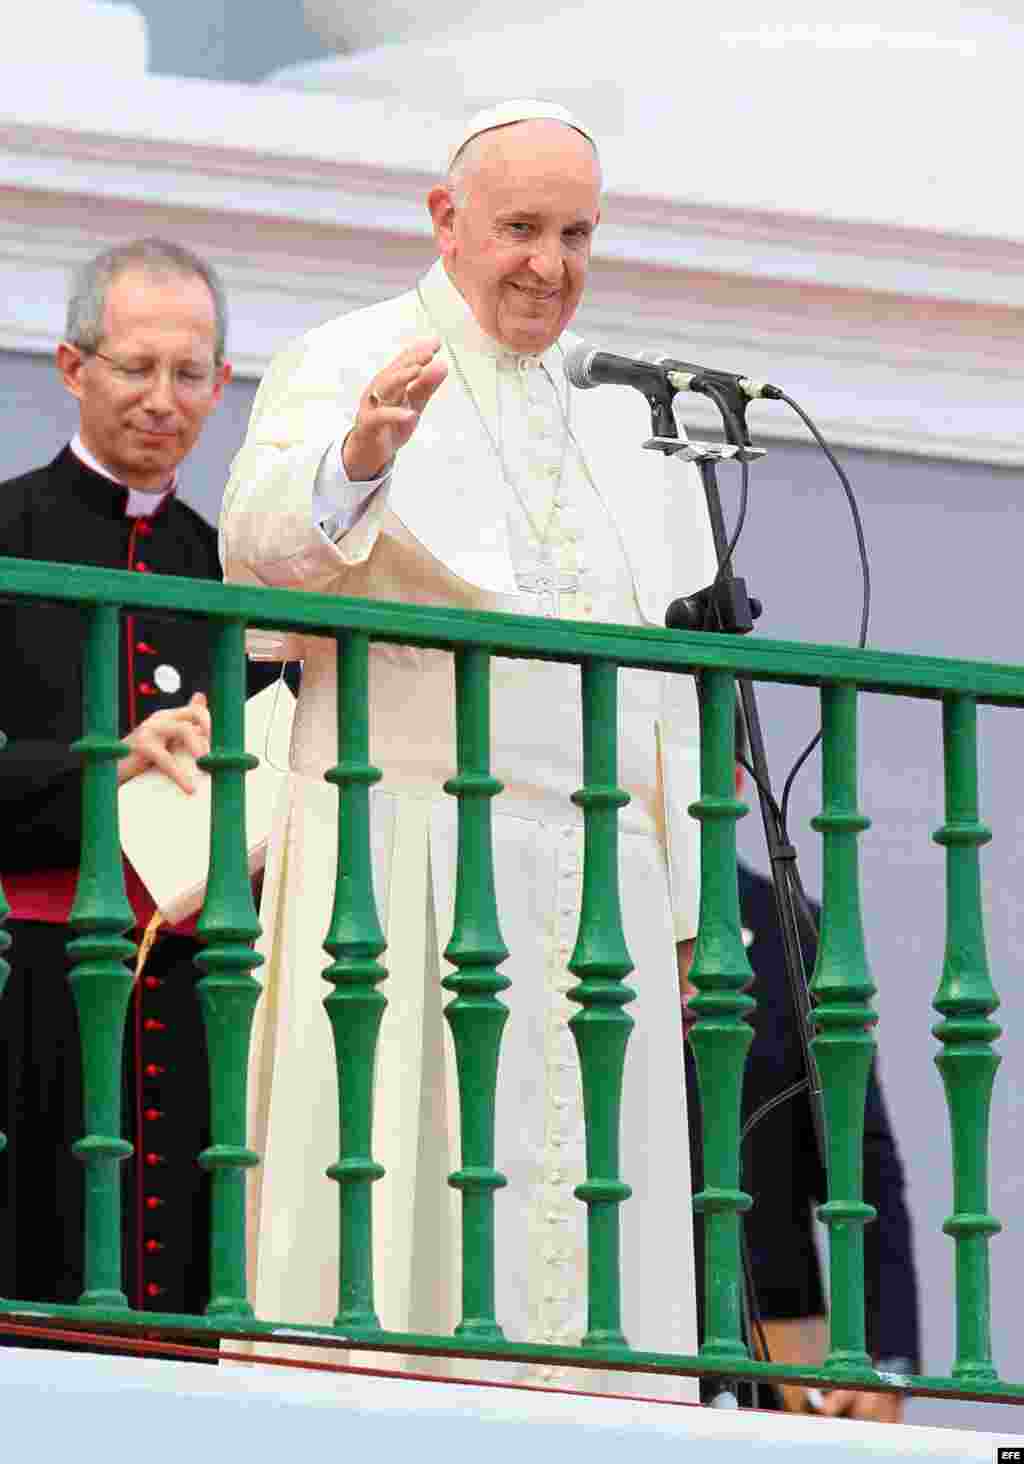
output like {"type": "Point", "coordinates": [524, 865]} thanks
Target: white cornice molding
{"type": "Point", "coordinates": [894, 338]}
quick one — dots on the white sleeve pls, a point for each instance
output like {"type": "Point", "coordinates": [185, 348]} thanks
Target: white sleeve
{"type": "Point", "coordinates": [338, 503]}
{"type": "Point", "coordinates": [269, 528]}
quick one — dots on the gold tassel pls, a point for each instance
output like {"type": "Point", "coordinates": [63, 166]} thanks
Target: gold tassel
{"type": "Point", "coordinates": [146, 944]}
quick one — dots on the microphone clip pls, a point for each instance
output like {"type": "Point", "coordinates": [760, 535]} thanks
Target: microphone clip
{"type": "Point", "coordinates": [724, 605]}
{"type": "Point", "coordinates": [705, 452]}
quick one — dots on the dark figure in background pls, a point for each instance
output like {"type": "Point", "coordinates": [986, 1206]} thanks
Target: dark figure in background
{"type": "Point", "coordinates": [783, 1174]}
{"type": "Point", "coordinates": [144, 356]}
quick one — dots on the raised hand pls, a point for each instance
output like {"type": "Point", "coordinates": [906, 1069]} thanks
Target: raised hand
{"type": "Point", "coordinates": [390, 408]}
{"type": "Point", "coordinates": [155, 741]}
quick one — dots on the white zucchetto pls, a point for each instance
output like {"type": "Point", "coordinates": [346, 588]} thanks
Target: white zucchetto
{"type": "Point", "coordinates": [505, 113]}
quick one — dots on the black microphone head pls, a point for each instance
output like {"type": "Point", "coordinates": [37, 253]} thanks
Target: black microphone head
{"type": "Point", "coordinates": [577, 365]}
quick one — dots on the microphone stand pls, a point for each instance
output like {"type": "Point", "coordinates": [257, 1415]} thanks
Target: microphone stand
{"type": "Point", "coordinates": [735, 612]}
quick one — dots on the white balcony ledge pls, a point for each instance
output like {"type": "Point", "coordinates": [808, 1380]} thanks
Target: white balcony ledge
{"type": "Point", "coordinates": [167, 1411]}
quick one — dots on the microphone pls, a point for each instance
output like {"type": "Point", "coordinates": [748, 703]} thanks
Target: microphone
{"type": "Point", "coordinates": [685, 376]}
{"type": "Point", "coordinates": [586, 367]}
{"type": "Point", "coordinates": [650, 373]}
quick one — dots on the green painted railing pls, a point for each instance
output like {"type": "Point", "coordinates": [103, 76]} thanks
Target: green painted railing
{"type": "Point", "coordinates": [476, 1014]}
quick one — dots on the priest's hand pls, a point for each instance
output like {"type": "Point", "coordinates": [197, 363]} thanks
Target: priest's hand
{"type": "Point", "coordinates": [155, 741]}
{"type": "Point", "coordinates": [803, 1342]}
{"type": "Point", "coordinates": [869, 1407]}
{"type": "Point", "coordinates": [389, 409]}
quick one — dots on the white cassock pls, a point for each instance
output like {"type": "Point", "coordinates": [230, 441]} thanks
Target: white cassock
{"type": "Point", "coordinates": [627, 531]}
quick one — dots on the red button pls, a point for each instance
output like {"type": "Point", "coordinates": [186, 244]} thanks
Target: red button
{"type": "Point", "coordinates": [144, 527]}
{"type": "Point", "coordinates": [154, 1070]}
{"type": "Point", "coordinates": [152, 1114]}
{"type": "Point", "coordinates": [152, 1025]}
{"type": "Point", "coordinates": [145, 649]}
{"type": "Point", "coordinates": [153, 1202]}
{"type": "Point", "coordinates": [153, 1246]}
{"type": "Point", "coordinates": [146, 688]}
{"type": "Point", "coordinates": [152, 1289]}
{"type": "Point", "coordinates": [142, 567]}
{"type": "Point", "coordinates": [153, 1160]}
{"type": "Point", "coordinates": [151, 983]}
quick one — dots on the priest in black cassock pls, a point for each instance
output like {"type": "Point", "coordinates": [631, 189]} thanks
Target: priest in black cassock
{"type": "Point", "coordinates": [144, 356]}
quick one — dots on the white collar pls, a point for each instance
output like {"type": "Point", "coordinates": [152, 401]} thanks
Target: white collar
{"type": "Point", "coordinates": [140, 504]}
{"type": "Point", "coordinates": [452, 314]}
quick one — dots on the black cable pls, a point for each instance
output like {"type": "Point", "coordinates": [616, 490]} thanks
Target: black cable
{"type": "Point", "coordinates": [791, 776]}
{"type": "Point", "coordinates": [741, 519]}
{"type": "Point", "coordinates": [793, 1091]}
{"type": "Point", "coordinates": [865, 568]}
{"type": "Point", "coordinates": [858, 526]}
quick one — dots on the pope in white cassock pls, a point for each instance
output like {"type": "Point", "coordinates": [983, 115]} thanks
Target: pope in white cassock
{"type": "Point", "coordinates": [429, 449]}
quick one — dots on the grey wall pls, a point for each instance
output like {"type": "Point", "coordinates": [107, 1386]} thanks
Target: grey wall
{"type": "Point", "coordinates": [226, 40]}
{"type": "Point", "coordinates": [945, 557]}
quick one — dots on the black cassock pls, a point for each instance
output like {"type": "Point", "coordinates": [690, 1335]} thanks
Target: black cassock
{"type": "Point", "coordinates": [68, 513]}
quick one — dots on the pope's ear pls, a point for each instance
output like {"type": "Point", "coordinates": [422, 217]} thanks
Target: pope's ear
{"type": "Point", "coordinates": [441, 204]}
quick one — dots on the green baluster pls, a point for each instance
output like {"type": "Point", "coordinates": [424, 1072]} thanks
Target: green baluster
{"type": "Point", "coordinates": [99, 978]}
{"type": "Point", "coordinates": [355, 1006]}
{"type": "Point", "coordinates": [966, 999]}
{"type": "Point", "coordinates": [844, 1046]}
{"type": "Point", "coordinates": [601, 1027]}
{"type": "Point", "coordinates": [475, 1015]}
{"type": "Point", "coordinates": [228, 993]}
{"type": "Point", "coordinates": [720, 1036]}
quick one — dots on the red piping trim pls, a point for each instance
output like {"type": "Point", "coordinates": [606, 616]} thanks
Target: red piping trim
{"type": "Point", "coordinates": [135, 1260]}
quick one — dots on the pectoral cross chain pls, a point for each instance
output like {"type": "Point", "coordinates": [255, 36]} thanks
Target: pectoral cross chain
{"type": "Point", "coordinates": [547, 583]}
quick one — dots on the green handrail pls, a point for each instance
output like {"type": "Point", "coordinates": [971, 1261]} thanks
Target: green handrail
{"type": "Point", "coordinates": [797, 663]}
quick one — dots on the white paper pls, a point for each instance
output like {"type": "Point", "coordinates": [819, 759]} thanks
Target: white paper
{"type": "Point", "coordinates": [165, 832]}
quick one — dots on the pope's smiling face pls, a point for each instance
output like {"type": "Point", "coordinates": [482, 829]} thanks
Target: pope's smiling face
{"type": "Point", "coordinates": [515, 231]}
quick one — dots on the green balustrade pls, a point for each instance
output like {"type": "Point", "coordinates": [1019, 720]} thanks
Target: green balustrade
{"type": "Point", "coordinates": [355, 1006]}
{"type": "Point", "coordinates": [228, 992]}
{"type": "Point", "coordinates": [602, 1026]}
{"type": "Point", "coordinates": [721, 1035]}
{"type": "Point", "coordinates": [475, 1015]}
{"type": "Point", "coordinates": [99, 978]}
{"type": "Point", "coordinates": [844, 1047]}
{"type": "Point", "coordinates": [966, 1000]}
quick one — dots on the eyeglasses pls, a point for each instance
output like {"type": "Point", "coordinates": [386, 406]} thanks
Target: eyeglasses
{"type": "Point", "coordinates": [188, 378]}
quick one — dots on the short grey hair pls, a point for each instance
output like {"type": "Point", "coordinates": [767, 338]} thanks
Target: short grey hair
{"type": "Point", "coordinates": [157, 258]}
{"type": "Point", "coordinates": [468, 156]}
